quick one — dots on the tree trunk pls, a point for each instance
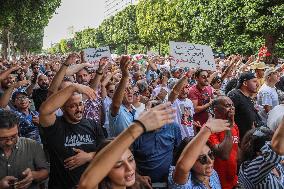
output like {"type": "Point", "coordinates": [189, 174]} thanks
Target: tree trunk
{"type": "Point", "coordinates": [5, 43]}
{"type": "Point", "coordinates": [270, 42]}
{"type": "Point", "coordinates": [126, 48]}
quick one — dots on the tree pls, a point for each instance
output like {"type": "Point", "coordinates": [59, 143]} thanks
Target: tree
{"type": "Point", "coordinates": [23, 22]}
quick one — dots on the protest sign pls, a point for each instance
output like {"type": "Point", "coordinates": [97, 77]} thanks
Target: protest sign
{"type": "Point", "coordinates": [192, 56]}
{"type": "Point", "coordinates": [152, 54]}
{"type": "Point", "coordinates": [93, 55]}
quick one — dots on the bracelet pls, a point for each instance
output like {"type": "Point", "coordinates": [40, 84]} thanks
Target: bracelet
{"type": "Point", "coordinates": [208, 128]}
{"type": "Point", "coordinates": [141, 125]}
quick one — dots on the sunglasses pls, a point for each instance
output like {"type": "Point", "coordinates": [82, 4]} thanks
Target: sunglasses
{"type": "Point", "coordinates": [204, 77]}
{"type": "Point", "coordinates": [203, 159]}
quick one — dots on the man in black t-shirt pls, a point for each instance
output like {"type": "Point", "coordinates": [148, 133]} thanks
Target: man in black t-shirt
{"type": "Point", "coordinates": [71, 140]}
{"type": "Point", "coordinates": [246, 115]}
{"type": "Point", "coordinates": [39, 95]}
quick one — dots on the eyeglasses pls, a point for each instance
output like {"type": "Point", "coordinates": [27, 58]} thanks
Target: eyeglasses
{"type": "Point", "coordinates": [136, 93]}
{"type": "Point", "coordinates": [7, 139]}
{"type": "Point", "coordinates": [203, 159]}
{"type": "Point", "coordinates": [204, 76]}
{"type": "Point", "coordinates": [20, 98]}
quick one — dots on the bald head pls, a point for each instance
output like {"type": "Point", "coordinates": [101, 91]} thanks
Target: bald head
{"type": "Point", "coordinates": [223, 107]}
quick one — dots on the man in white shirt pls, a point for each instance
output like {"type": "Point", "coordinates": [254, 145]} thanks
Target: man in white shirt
{"type": "Point", "coordinates": [267, 96]}
{"type": "Point", "coordinates": [183, 105]}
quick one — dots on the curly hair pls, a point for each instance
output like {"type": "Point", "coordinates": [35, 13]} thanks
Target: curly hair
{"type": "Point", "coordinates": [252, 142]}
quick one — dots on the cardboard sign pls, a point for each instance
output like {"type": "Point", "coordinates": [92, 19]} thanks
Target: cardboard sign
{"type": "Point", "coordinates": [192, 56]}
{"type": "Point", "coordinates": [152, 54]}
{"type": "Point", "coordinates": [93, 55]}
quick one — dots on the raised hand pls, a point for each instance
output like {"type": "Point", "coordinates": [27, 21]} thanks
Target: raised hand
{"type": "Point", "coordinates": [124, 65]}
{"type": "Point", "coordinates": [71, 59]}
{"type": "Point", "coordinates": [91, 93]}
{"type": "Point", "coordinates": [217, 125]}
{"type": "Point", "coordinates": [21, 83]}
{"type": "Point", "coordinates": [158, 116]}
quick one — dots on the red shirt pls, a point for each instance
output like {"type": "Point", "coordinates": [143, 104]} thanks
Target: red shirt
{"type": "Point", "coordinates": [227, 169]}
{"type": "Point", "coordinates": [203, 97]}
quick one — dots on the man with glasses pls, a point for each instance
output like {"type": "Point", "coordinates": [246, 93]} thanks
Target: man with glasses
{"type": "Point", "coordinates": [225, 144]}
{"type": "Point", "coordinates": [201, 96]}
{"type": "Point", "coordinates": [22, 161]}
{"type": "Point", "coordinates": [29, 119]}
{"type": "Point", "coordinates": [71, 139]}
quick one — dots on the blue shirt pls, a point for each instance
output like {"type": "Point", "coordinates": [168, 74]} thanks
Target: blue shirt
{"type": "Point", "coordinates": [27, 128]}
{"type": "Point", "coordinates": [214, 182]}
{"type": "Point", "coordinates": [121, 121]}
{"type": "Point", "coordinates": [153, 151]}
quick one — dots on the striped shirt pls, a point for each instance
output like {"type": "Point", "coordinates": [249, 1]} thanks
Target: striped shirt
{"type": "Point", "coordinates": [257, 174]}
{"type": "Point", "coordinates": [191, 183]}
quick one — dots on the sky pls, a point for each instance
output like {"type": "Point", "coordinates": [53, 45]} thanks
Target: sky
{"type": "Point", "coordinates": [80, 14]}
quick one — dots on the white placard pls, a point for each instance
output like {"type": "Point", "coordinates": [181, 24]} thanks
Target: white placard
{"type": "Point", "coordinates": [152, 54]}
{"type": "Point", "coordinates": [192, 56]}
{"type": "Point", "coordinates": [93, 55]}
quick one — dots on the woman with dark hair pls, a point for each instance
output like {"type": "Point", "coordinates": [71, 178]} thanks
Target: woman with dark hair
{"type": "Point", "coordinates": [114, 166]}
{"type": "Point", "coordinates": [261, 167]}
{"type": "Point", "coordinates": [194, 160]}
{"type": "Point", "coordinates": [113, 175]}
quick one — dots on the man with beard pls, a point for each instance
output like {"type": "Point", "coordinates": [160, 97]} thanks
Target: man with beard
{"type": "Point", "coordinates": [225, 144]}
{"type": "Point", "coordinates": [71, 139]}
{"type": "Point", "coordinates": [122, 112]}
{"type": "Point", "coordinates": [247, 115]}
{"type": "Point", "coordinates": [93, 108]}
{"type": "Point", "coordinates": [39, 95]}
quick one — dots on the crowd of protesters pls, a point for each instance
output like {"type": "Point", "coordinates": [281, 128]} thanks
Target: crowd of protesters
{"type": "Point", "coordinates": [138, 122]}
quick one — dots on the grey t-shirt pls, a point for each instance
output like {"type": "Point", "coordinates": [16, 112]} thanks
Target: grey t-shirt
{"type": "Point", "coordinates": [26, 154]}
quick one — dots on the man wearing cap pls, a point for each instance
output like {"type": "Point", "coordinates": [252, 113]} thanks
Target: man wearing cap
{"type": "Point", "coordinates": [246, 115]}
{"type": "Point", "coordinates": [267, 96]}
{"type": "Point", "coordinates": [29, 120]}
{"type": "Point", "coordinates": [259, 68]}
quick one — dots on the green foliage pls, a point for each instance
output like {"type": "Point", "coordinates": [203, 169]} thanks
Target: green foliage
{"type": "Point", "coordinates": [229, 26]}
{"type": "Point", "coordinates": [25, 21]}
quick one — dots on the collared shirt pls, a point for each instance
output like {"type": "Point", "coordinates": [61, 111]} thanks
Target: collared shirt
{"type": "Point", "coordinates": [153, 151]}
{"type": "Point", "coordinates": [193, 183]}
{"type": "Point", "coordinates": [121, 121]}
{"type": "Point", "coordinates": [94, 110]}
{"type": "Point", "coordinates": [257, 173]}
{"type": "Point", "coordinates": [27, 128]}
{"type": "Point", "coordinates": [26, 154]}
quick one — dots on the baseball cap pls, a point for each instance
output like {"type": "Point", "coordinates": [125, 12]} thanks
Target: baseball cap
{"type": "Point", "coordinates": [268, 72]}
{"type": "Point", "coordinates": [245, 77]}
{"type": "Point", "coordinates": [16, 93]}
